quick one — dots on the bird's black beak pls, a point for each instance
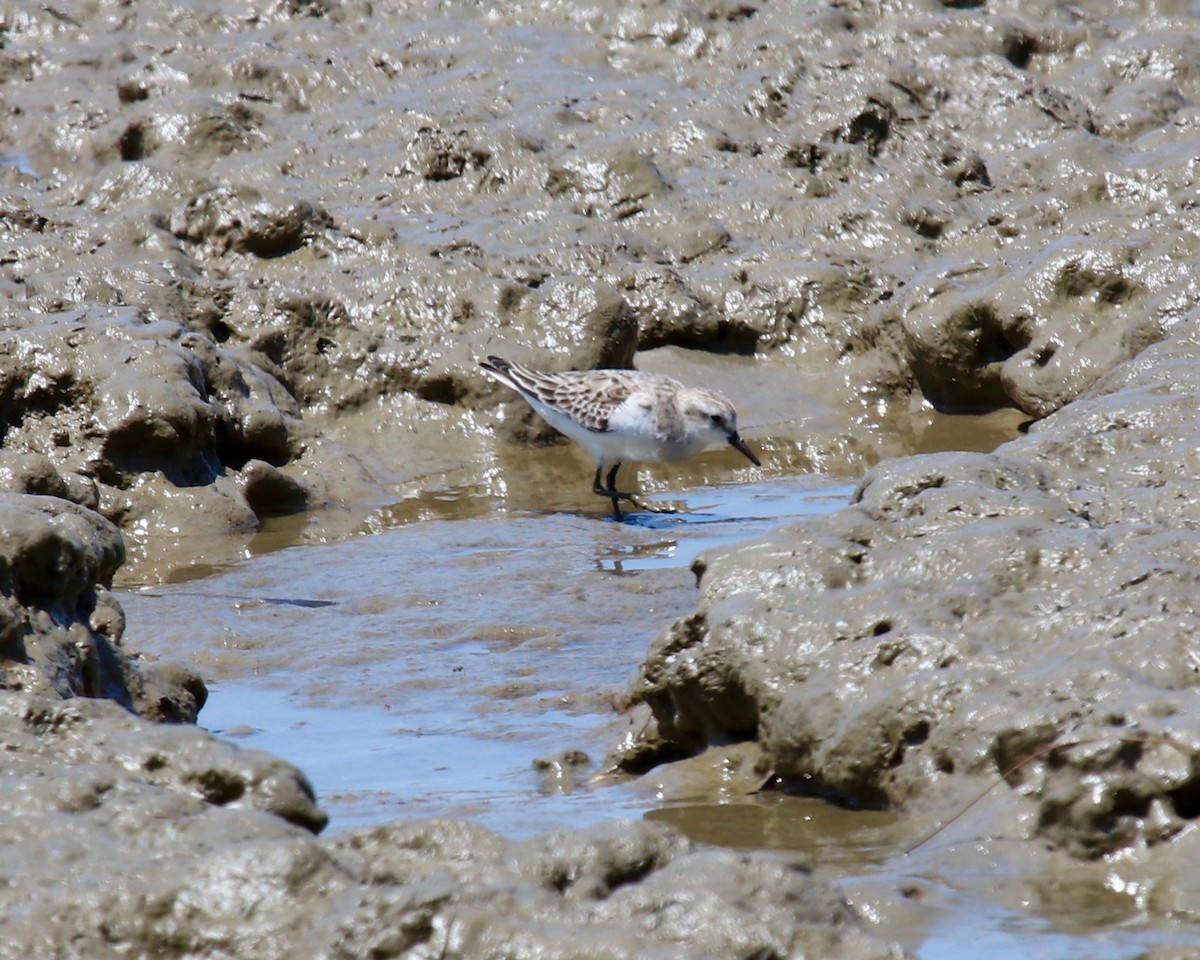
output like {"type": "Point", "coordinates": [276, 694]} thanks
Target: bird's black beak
{"type": "Point", "coordinates": [740, 445]}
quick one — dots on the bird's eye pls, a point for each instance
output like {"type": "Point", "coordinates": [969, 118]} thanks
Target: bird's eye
{"type": "Point", "coordinates": [716, 418]}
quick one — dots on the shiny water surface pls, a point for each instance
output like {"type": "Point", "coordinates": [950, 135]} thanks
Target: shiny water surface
{"type": "Point", "coordinates": [457, 667]}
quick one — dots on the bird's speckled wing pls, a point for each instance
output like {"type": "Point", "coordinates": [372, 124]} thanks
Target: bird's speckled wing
{"type": "Point", "coordinates": [587, 397]}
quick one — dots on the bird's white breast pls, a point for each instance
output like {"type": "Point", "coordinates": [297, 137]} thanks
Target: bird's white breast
{"type": "Point", "coordinates": [646, 434]}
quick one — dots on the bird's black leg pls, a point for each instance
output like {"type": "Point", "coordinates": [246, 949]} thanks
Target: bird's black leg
{"type": "Point", "coordinates": [611, 490]}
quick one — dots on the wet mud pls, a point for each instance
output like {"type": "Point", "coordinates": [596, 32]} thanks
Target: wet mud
{"type": "Point", "coordinates": [249, 255]}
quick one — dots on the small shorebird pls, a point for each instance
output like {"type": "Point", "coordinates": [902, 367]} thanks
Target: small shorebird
{"type": "Point", "coordinates": [619, 415]}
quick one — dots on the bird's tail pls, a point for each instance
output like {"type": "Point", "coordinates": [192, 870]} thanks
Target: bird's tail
{"type": "Point", "coordinates": [497, 366]}
{"type": "Point", "coordinates": [514, 375]}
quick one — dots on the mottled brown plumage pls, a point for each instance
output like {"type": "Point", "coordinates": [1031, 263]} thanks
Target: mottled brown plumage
{"type": "Point", "coordinates": [621, 415]}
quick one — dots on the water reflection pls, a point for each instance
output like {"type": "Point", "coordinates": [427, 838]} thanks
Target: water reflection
{"type": "Point", "coordinates": [631, 557]}
{"type": "Point", "coordinates": [720, 516]}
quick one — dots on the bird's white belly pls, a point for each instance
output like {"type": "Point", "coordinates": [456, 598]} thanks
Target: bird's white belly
{"type": "Point", "coordinates": [650, 449]}
{"type": "Point", "coordinates": [631, 436]}
{"type": "Point", "coordinates": [636, 436]}
{"type": "Point", "coordinates": [618, 445]}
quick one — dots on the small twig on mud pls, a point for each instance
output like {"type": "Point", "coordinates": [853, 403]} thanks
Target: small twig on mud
{"type": "Point", "coordinates": [1041, 752]}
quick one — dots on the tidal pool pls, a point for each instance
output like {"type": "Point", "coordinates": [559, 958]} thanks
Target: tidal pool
{"type": "Point", "coordinates": [454, 667]}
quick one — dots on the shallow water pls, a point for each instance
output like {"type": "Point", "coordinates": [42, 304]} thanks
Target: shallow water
{"type": "Point", "coordinates": [428, 668]}
{"type": "Point", "coordinates": [370, 764]}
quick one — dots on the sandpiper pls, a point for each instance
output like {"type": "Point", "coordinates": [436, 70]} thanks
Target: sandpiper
{"type": "Point", "coordinates": [619, 415]}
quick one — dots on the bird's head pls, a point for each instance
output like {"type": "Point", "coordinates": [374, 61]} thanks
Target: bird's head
{"type": "Point", "coordinates": [714, 418]}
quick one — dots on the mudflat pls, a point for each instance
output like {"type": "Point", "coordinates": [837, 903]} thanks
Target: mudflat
{"type": "Point", "coordinates": [249, 256]}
